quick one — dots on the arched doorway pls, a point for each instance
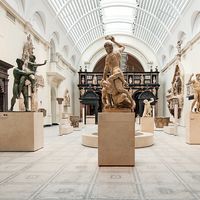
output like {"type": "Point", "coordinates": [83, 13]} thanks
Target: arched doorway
{"type": "Point", "coordinates": [132, 64]}
{"type": "Point", "coordinates": [139, 97]}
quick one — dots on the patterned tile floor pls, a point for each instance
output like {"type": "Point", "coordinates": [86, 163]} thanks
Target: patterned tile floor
{"type": "Point", "coordinates": [64, 169]}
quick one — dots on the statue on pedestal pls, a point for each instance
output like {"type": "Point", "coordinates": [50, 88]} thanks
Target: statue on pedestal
{"type": "Point", "coordinates": [147, 108]}
{"type": "Point", "coordinates": [195, 83]}
{"type": "Point", "coordinates": [32, 66]}
{"type": "Point", "coordinates": [114, 93]}
{"type": "Point", "coordinates": [25, 77]}
{"type": "Point", "coordinates": [18, 73]}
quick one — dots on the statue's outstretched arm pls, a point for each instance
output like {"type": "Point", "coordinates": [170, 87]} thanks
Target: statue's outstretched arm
{"type": "Point", "coordinates": [37, 65]}
{"type": "Point", "coordinates": [121, 46]}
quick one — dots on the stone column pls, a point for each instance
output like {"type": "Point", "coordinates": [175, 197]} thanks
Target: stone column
{"type": "Point", "coordinates": [176, 118]}
{"type": "Point", "coordinates": [60, 100]}
{"type": "Point", "coordinates": [83, 114]}
{"type": "Point", "coordinates": [153, 111]}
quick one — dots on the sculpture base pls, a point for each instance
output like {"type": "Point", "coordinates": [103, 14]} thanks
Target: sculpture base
{"type": "Point", "coordinates": [65, 129]}
{"type": "Point", "coordinates": [147, 124]}
{"type": "Point", "coordinates": [170, 129]}
{"type": "Point", "coordinates": [21, 131]}
{"type": "Point", "coordinates": [192, 128]}
{"type": "Point", "coordinates": [116, 138]}
{"type": "Point", "coordinates": [160, 122]}
{"type": "Point", "coordinates": [142, 139]}
{"type": "Point", "coordinates": [117, 110]}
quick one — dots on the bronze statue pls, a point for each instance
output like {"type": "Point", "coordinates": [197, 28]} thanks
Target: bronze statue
{"type": "Point", "coordinates": [32, 66]}
{"type": "Point", "coordinates": [18, 72]}
{"type": "Point", "coordinates": [114, 93]}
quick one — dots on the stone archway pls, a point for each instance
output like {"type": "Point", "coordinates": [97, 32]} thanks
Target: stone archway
{"type": "Point", "coordinates": [132, 64]}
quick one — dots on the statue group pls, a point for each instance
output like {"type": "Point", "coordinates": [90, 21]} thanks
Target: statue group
{"type": "Point", "coordinates": [24, 74]}
{"type": "Point", "coordinates": [114, 94]}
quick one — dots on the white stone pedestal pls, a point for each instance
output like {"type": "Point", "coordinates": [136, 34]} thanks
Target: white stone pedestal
{"type": "Point", "coordinates": [21, 131]}
{"type": "Point", "coordinates": [147, 124]}
{"type": "Point", "coordinates": [65, 125]}
{"type": "Point", "coordinates": [192, 128]}
{"type": "Point", "coordinates": [170, 129]}
{"type": "Point", "coordinates": [116, 139]}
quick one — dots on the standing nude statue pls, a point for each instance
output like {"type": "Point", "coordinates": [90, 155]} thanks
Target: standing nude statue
{"type": "Point", "coordinates": [18, 72]}
{"type": "Point", "coordinates": [147, 108]}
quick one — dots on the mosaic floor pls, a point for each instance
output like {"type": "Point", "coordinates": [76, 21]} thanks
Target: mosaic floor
{"type": "Point", "coordinates": [64, 169]}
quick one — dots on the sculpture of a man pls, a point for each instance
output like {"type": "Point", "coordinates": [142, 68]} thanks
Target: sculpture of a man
{"type": "Point", "coordinates": [32, 66]}
{"type": "Point", "coordinates": [18, 72]}
{"type": "Point", "coordinates": [195, 83]}
{"type": "Point", "coordinates": [114, 84]}
{"type": "Point", "coordinates": [147, 108]}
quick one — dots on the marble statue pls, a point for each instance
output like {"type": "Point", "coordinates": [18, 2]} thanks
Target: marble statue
{"type": "Point", "coordinates": [67, 99]}
{"type": "Point", "coordinates": [114, 93]}
{"type": "Point", "coordinates": [27, 49]}
{"type": "Point", "coordinates": [195, 83]}
{"type": "Point", "coordinates": [18, 73]}
{"type": "Point", "coordinates": [147, 108]}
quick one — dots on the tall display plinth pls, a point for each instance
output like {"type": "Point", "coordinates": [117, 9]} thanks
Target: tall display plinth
{"type": "Point", "coordinates": [192, 128]}
{"type": "Point", "coordinates": [21, 131]}
{"type": "Point", "coordinates": [116, 139]}
{"type": "Point", "coordinates": [147, 124]}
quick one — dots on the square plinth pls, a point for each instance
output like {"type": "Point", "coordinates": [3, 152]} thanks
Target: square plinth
{"type": "Point", "coordinates": [116, 139]}
{"type": "Point", "coordinates": [21, 131]}
{"type": "Point", "coordinates": [192, 128]}
{"type": "Point", "coordinates": [147, 124]}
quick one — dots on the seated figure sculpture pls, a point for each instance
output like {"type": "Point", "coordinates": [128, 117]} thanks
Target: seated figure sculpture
{"type": "Point", "coordinates": [113, 93]}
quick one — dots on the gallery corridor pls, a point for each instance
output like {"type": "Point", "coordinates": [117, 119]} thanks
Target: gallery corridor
{"type": "Point", "coordinates": [64, 169]}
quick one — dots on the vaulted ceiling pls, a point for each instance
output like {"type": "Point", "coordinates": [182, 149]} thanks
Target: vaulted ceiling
{"type": "Point", "coordinates": [149, 21]}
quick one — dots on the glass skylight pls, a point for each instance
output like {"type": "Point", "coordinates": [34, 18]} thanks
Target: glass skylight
{"type": "Point", "coordinates": [147, 20]}
{"type": "Point", "coordinates": [118, 17]}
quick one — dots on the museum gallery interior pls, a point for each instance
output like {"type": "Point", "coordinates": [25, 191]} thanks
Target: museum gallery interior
{"type": "Point", "coordinates": [99, 99]}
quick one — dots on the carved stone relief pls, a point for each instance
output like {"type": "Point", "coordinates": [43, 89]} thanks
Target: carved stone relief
{"type": "Point", "coordinates": [175, 93]}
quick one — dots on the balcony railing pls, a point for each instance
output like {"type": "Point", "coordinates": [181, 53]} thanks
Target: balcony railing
{"type": "Point", "coordinates": [135, 80]}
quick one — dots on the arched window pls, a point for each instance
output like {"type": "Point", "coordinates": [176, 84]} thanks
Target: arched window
{"type": "Point", "coordinates": [17, 5]}
{"type": "Point", "coordinates": [66, 51]}
{"type": "Point", "coordinates": [171, 50]}
{"type": "Point", "coordinates": [163, 60]}
{"type": "Point", "coordinates": [195, 23]}
{"type": "Point", "coordinates": [56, 37]}
{"type": "Point", "coordinates": [73, 59]}
{"type": "Point", "coordinates": [181, 37]}
{"type": "Point", "coordinates": [38, 22]}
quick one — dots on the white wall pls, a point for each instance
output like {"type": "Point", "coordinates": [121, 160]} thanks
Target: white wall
{"type": "Point", "coordinates": [13, 36]}
{"type": "Point", "coordinates": [133, 46]}
{"type": "Point", "coordinates": [190, 57]}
